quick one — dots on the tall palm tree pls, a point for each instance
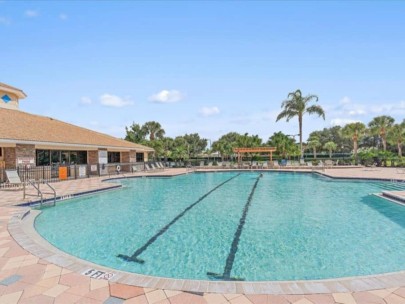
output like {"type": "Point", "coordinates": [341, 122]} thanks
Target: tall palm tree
{"type": "Point", "coordinates": [354, 131]}
{"type": "Point", "coordinates": [380, 125]}
{"type": "Point", "coordinates": [154, 129]}
{"type": "Point", "coordinates": [330, 146]}
{"type": "Point", "coordinates": [298, 105]}
{"type": "Point", "coordinates": [396, 136]}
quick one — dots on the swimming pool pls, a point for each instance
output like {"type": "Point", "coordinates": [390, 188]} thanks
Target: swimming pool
{"type": "Point", "coordinates": [232, 225]}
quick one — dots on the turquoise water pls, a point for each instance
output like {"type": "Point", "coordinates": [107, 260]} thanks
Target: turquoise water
{"type": "Point", "coordinates": [297, 226]}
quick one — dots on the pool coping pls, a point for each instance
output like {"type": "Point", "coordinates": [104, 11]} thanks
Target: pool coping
{"type": "Point", "coordinates": [21, 228]}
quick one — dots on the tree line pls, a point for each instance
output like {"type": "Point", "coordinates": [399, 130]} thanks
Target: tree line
{"type": "Point", "coordinates": [382, 137]}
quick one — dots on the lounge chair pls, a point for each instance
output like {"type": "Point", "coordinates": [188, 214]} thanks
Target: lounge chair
{"type": "Point", "coordinates": [148, 168]}
{"type": "Point", "coordinates": [13, 178]}
{"type": "Point", "coordinates": [265, 165]}
{"type": "Point", "coordinates": [302, 162]}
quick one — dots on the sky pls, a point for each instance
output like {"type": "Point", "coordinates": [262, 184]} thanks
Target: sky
{"type": "Point", "coordinates": [207, 67]}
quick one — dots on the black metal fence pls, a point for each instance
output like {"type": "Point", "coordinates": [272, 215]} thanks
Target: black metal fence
{"type": "Point", "coordinates": [56, 173]}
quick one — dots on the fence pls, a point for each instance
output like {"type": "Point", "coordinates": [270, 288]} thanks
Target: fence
{"type": "Point", "coordinates": [56, 173]}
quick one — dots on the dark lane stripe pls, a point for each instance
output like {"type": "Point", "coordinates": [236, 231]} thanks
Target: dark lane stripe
{"type": "Point", "coordinates": [234, 247]}
{"type": "Point", "coordinates": [134, 257]}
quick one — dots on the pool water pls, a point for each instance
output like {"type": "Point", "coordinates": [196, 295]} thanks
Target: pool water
{"type": "Point", "coordinates": [232, 225]}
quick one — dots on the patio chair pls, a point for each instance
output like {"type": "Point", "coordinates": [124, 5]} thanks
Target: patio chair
{"type": "Point", "coordinates": [202, 163]}
{"type": "Point", "coordinates": [265, 165]}
{"type": "Point", "coordinates": [328, 163]}
{"type": "Point", "coordinates": [13, 178]}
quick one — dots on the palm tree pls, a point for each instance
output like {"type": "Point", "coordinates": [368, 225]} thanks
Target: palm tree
{"type": "Point", "coordinates": [354, 131]}
{"type": "Point", "coordinates": [297, 105]}
{"type": "Point", "coordinates": [135, 133]}
{"type": "Point", "coordinates": [154, 129]}
{"type": "Point", "coordinates": [330, 146]}
{"type": "Point", "coordinates": [396, 135]}
{"type": "Point", "coordinates": [314, 143]}
{"type": "Point", "coordinates": [282, 143]}
{"type": "Point", "coordinates": [380, 125]}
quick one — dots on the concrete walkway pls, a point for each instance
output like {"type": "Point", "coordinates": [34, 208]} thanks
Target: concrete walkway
{"type": "Point", "coordinates": [26, 278]}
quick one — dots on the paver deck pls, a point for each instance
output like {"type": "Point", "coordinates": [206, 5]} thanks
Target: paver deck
{"type": "Point", "coordinates": [29, 278]}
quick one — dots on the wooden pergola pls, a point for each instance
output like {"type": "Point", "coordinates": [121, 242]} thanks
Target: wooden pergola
{"type": "Point", "coordinates": [269, 150]}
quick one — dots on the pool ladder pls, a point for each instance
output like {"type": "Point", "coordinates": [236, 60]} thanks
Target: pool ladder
{"type": "Point", "coordinates": [40, 192]}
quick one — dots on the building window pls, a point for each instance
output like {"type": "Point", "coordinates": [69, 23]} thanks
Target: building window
{"type": "Point", "coordinates": [1, 152]}
{"type": "Point", "coordinates": [139, 157]}
{"type": "Point", "coordinates": [114, 157]}
{"type": "Point", "coordinates": [43, 158]}
{"type": "Point", "coordinates": [56, 157]}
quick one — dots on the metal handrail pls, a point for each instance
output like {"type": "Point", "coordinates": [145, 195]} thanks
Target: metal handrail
{"type": "Point", "coordinates": [39, 192]}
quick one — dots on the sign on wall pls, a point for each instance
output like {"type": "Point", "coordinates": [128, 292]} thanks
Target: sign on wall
{"type": "Point", "coordinates": [24, 161]}
{"type": "Point", "coordinates": [62, 173]}
{"type": "Point", "coordinates": [102, 157]}
{"type": "Point", "coordinates": [82, 171]}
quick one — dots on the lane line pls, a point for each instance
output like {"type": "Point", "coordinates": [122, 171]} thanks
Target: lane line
{"type": "Point", "coordinates": [226, 275]}
{"type": "Point", "coordinates": [134, 256]}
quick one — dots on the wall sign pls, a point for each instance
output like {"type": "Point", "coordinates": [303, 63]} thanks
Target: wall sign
{"type": "Point", "coordinates": [82, 171]}
{"type": "Point", "coordinates": [24, 161]}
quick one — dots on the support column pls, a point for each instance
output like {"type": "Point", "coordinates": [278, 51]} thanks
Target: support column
{"type": "Point", "coordinates": [10, 159]}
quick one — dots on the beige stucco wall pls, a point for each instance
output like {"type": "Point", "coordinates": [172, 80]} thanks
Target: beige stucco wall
{"type": "Point", "coordinates": [13, 104]}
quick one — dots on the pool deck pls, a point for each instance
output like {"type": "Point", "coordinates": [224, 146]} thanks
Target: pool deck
{"type": "Point", "coordinates": [32, 271]}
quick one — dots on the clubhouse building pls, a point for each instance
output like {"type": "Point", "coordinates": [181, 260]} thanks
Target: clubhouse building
{"type": "Point", "coordinates": [28, 140]}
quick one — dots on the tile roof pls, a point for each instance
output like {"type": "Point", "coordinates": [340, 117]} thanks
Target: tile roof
{"type": "Point", "coordinates": [16, 125]}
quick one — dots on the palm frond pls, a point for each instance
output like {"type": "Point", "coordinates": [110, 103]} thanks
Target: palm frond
{"type": "Point", "coordinates": [315, 109]}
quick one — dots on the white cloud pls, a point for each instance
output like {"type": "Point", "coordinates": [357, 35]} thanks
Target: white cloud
{"type": "Point", "coordinates": [209, 111]}
{"type": "Point", "coordinates": [4, 21]}
{"type": "Point", "coordinates": [31, 13]}
{"type": "Point", "coordinates": [341, 121]}
{"type": "Point", "coordinates": [357, 112]}
{"type": "Point", "coordinates": [109, 100]}
{"type": "Point", "coordinates": [63, 16]}
{"type": "Point", "coordinates": [86, 100]}
{"type": "Point", "coordinates": [166, 96]}
{"type": "Point", "coordinates": [345, 100]}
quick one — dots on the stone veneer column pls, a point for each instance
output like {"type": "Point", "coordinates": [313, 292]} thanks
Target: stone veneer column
{"type": "Point", "coordinates": [125, 157]}
{"type": "Point", "coordinates": [10, 158]}
{"type": "Point", "coordinates": [132, 156]}
{"type": "Point", "coordinates": [25, 151]}
{"type": "Point", "coordinates": [92, 157]}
